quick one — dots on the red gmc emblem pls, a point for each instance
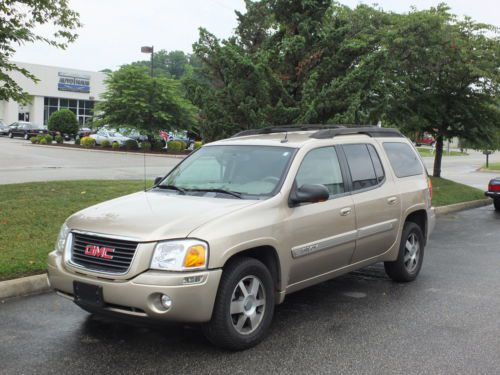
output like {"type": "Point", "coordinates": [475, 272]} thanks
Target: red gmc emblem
{"type": "Point", "coordinates": [99, 252]}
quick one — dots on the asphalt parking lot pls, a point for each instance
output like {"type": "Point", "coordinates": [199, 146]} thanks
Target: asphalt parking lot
{"type": "Point", "coordinates": [20, 161]}
{"type": "Point", "coordinates": [446, 322]}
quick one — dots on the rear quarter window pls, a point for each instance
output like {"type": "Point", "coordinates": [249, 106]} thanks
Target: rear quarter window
{"type": "Point", "coordinates": [403, 159]}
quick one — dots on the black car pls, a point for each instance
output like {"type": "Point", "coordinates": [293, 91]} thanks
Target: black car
{"type": "Point", "coordinates": [4, 129]}
{"type": "Point", "coordinates": [26, 129]}
{"type": "Point", "coordinates": [494, 192]}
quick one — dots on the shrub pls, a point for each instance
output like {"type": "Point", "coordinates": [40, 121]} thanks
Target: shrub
{"type": "Point", "coordinates": [63, 121]}
{"type": "Point", "coordinates": [131, 144]}
{"type": "Point", "coordinates": [146, 146]}
{"type": "Point", "coordinates": [35, 140]}
{"type": "Point", "coordinates": [43, 141]}
{"type": "Point", "coordinates": [77, 141]}
{"type": "Point", "coordinates": [105, 143]}
{"type": "Point", "coordinates": [48, 138]}
{"type": "Point", "coordinates": [157, 144]}
{"type": "Point", "coordinates": [87, 142]}
{"type": "Point", "coordinates": [115, 146]}
{"type": "Point", "coordinates": [197, 145]}
{"type": "Point", "coordinates": [60, 139]}
{"type": "Point", "coordinates": [175, 146]}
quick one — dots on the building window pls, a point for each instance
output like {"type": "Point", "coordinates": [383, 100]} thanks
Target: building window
{"type": "Point", "coordinates": [81, 108]}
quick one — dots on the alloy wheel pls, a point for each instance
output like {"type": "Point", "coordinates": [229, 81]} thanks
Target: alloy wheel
{"type": "Point", "coordinates": [248, 305]}
{"type": "Point", "coordinates": [412, 253]}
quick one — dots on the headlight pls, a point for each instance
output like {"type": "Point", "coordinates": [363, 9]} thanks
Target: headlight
{"type": "Point", "coordinates": [181, 255]}
{"type": "Point", "coordinates": [61, 239]}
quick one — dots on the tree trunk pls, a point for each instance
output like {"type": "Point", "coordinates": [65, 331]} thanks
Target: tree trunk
{"type": "Point", "coordinates": [438, 156]}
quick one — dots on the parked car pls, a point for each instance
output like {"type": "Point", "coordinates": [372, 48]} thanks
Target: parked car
{"type": "Point", "coordinates": [110, 135]}
{"type": "Point", "coordinates": [243, 222]}
{"type": "Point", "coordinates": [4, 129]}
{"type": "Point", "coordinates": [134, 134]}
{"type": "Point", "coordinates": [426, 139]}
{"type": "Point", "coordinates": [26, 130]}
{"type": "Point", "coordinates": [83, 132]}
{"type": "Point", "coordinates": [494, 192]}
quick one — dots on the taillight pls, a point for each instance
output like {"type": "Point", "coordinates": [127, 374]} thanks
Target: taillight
{"type": "Point", "coordinates": [429, 184]}
{"type": "Point", "coordinates": [494, 187]}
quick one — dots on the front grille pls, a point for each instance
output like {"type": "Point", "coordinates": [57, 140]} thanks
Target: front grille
{"type": "Point", "coordinates": [122, 255]}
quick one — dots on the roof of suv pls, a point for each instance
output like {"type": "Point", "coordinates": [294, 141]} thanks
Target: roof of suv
{"type": "Point", "coordinates": [296, 136]}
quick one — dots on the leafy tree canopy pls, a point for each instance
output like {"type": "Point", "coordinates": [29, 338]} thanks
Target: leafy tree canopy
{"type": "Point", "coordinates": [18, 21]}
{"type": "Point", "coordinates": [134, 99]}
{"type": "Point", "coordinates": [172, 64]}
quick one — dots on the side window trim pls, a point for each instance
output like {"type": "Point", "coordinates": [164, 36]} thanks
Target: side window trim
{"type": "Point", "coordinates": [348, 171]}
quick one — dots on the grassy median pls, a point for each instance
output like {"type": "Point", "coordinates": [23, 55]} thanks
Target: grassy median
{"type": "Point", "coordinates": [31, 215]}
{"type": "Point", "coordinates": [491, 167]}
{"type": "Point", "coordinates": [423, 151]}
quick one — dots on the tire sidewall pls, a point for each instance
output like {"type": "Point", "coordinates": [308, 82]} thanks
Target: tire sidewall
{"type": "Point", "coordinates": [411, 228]}
{"type": "Point", "coordinates": [238, 271]}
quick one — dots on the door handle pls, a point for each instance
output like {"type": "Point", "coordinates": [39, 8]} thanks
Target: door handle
{"type": "Point", "coordinates": [345, 211]}
{"type": "Point", "coordinates": [392, 200]}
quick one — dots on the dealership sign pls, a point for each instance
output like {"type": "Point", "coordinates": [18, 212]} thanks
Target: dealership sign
{"type": "Point", "coordinates": [73, 82]}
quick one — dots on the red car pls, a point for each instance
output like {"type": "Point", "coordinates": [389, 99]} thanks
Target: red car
{"type": "Point", "coordinates": [425, 140]}
{"type": "Point", "coordinates": [494, 192]}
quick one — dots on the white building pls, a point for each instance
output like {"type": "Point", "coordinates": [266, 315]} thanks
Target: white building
{"type": "Point", "coordinates": [57, 88]}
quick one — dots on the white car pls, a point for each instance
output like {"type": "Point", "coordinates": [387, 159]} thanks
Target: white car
{"type": "Point", "coordinates": [109, 135]}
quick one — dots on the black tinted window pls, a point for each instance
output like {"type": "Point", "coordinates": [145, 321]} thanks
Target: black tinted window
{"type": "Point", "coordinates": [403, 158]}
{"type": "Point", "coordinates": [362, 163]}
{"type": "Point", "coordinates": [321, 166]}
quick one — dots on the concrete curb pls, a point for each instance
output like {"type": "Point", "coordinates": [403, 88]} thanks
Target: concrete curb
{"type": "Point", "coordinates": [443, 210]}
{"type": "Point", "coordinates": [40, 283]}
{"type": "Point", "coordinates": [24, 286]}
{"type": "Point", "coordinates": [141, 154]}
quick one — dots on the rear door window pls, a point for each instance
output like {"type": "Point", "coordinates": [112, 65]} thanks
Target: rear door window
{"type": "Point", "coordinates": [364, 165]}
{"type": "Point", "coordinates": [403, 158]}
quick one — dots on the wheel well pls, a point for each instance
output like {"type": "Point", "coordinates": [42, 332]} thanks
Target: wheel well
{"type": "Point", "coordinates": [420, 218]}
{"type": "Point", "coordinates": [268, 256]}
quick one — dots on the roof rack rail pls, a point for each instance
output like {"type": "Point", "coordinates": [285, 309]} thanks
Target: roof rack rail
{"type": "Point", "coordinates": [286, 129]}
{"type": "Point", "coordinates": [371, 131]}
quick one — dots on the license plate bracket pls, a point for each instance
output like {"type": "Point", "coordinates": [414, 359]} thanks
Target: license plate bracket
{"type": "Point", "coordinates": [88, 294]}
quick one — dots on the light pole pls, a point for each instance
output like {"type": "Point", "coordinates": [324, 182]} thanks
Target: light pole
{"type": "Point", "coordinates": [151, 50]}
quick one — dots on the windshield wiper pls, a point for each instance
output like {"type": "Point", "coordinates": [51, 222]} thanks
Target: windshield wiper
{"type": "Point", "coordinates": [222, 191]}
{"type": "Point", "coordinates": [172, 187]}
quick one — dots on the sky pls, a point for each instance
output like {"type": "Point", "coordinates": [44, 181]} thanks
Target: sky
{"type": "Point", "coordinates": [114, 30]}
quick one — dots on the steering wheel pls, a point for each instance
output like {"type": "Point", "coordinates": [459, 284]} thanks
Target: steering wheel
{"type": "Point", "coordinates": [271, 179]}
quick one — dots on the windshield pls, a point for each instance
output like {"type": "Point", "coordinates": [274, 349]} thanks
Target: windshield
{"type": "Point", "coordinates": [248, 170]}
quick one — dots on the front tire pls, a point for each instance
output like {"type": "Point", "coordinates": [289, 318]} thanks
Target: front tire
{"type": "Point", "coordinates": [11, 135]}
{"type": "Point", "coordinates": [411, 254]}
{"type": "Point", "coordinates": [496, 203]}
{"type": "Point", "coordinates": [26, 137]}
{"type": "Point", "coordinates": [244, 306]}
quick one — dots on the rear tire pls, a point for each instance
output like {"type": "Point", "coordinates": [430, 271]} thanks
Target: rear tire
{"type": "Point", "coordinates": [496, 203]}
{"type": "Point", "coordinates": [244, 306]}
{"type": "Point", "coordinates": [411, 254]}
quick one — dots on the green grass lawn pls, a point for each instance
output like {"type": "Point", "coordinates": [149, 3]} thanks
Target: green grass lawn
{"type": "Point", "coordinates": [423, 151]}
{"type": "Point", "coordinates": [31, 215]}
{"type": "Point", "coordinates": [492, 166]}
{"type": "Point", "coordinates": [448, 192]}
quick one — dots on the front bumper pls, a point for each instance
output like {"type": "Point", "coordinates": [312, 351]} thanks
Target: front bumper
{"type": "Point", "coordinates": [140, 296]}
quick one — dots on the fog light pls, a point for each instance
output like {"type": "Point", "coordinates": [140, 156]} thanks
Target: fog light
{"type": "Point", "coordinates": [166, 301]}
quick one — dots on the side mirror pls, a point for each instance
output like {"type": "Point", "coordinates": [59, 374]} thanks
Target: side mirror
{"type": "Point", "coordinates": [158, 180]}
{"type": "Point", "coordinates": [309, 193]}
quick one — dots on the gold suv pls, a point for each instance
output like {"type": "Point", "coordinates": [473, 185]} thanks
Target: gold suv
{"type": "Point", "coordinates": [243, 222]}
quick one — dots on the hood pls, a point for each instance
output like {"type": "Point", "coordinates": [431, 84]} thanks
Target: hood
{"type": "Point", "coordinates": [153, 215]}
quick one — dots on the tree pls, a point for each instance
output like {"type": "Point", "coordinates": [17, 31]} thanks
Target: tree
{"type": "Point", "coordinates": [443, 77]}
{"type": "Point", "coordinates": [19, 20]}
{"type": "Point", "coordinates": [134, 99]}
{"type": "Point", "coordinates": [290, 61]}
{"type": "Point", "coordinates": [171, 64]}
{"type": "Point", "coordinates": [64, 121]}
